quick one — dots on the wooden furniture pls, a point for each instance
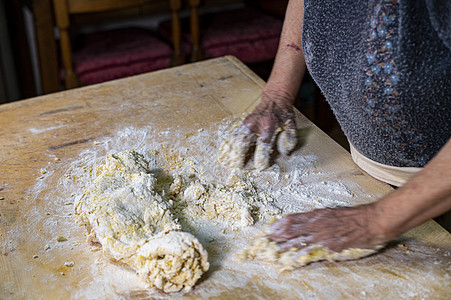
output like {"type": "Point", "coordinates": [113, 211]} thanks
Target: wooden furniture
{"type": "Point", "coordinates": [196, 52]}
{"type": "Point", "coordinates": [47, 51]}
{"type": "Point", "coordinates": [65, 8]}
{"type": "Point", "coordinates": [42, 138]}
{"type": "Point", "coordinates": [22, 69]}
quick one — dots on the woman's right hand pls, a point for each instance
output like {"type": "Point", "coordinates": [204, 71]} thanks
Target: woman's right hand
{"type": "Point", "coordinates": [260, 128]}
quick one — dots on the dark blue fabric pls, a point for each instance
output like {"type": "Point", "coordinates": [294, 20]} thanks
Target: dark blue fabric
{"type": "Point", "coordinates": [385, 69]}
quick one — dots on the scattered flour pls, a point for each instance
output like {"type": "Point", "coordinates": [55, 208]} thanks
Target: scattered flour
{"type": "Point", "coordinates": [184, 167]}
{"type": "Point", "coordinates": [133, 212]}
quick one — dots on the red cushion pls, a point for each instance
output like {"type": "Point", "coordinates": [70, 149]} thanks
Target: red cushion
{"type": "Point", "coordinates": [246, 33]}
{"type": "Point", "coordinates": [120, 53]}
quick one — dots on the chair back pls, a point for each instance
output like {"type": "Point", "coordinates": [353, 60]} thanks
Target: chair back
{"type": "Point", "coordinates": [65, 8]}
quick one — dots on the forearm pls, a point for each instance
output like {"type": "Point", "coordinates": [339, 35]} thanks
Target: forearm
{"type": "Point", "coordinates": [289, 66]}
{"type": "Point", "coordinates": [425, 196]}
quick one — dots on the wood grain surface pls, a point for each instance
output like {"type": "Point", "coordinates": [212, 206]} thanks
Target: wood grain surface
{"type": "Point", "coordinates": [40, 138]}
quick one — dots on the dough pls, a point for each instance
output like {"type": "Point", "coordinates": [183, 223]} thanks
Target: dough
{"type": "Point", "coordinates": [267, 250]}
{"type": "Point", "coordinates": [135, 225]}
{"type": "Point", "coordinates": [135, 214]}
{"type": "Point", "coordinates": [236, 204]}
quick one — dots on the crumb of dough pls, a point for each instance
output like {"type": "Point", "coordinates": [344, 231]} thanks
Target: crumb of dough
{"type": "Point", "coordinates": [69, 264]}
{"type": "Point", "coordinates": [404, 248]}
{"type": "Point", "coordinates": [47, 247]}
{"type": "Point", "coordinates": [61, 238]}
{"type": "Point", "coordinates": [172, 262]}
{"type": "Point", "coordinates": [134, 224]}
{"type": "Point", "coordinates": [267, 250]}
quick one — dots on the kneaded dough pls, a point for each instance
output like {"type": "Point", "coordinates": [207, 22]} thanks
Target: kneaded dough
{"type": "Point", "coordinates": [265, 249]}
{"type": "Point", "coordinates": [236, 204]}
{"type": "Point", "coordinates": [134, 224]}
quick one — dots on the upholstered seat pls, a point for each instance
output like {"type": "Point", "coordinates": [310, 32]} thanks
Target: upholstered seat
{"type": "Point", "coordinates": [120, 53]}
{"type": "Point", "coordinates": [116, 53]}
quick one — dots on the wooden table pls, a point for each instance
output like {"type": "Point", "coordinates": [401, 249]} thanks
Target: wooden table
{"type": "Point", "coordinates": [41, 138]}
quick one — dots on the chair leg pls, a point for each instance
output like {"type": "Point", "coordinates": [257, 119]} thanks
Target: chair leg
{"type": "Point", "coordinates": [71, 80]}
{"type": "Point", "coordinates": [196, 53]}
{"type": "Point", "coordinates": [62, 21]}
{"type": "Point", "coordinates": [178, 56]}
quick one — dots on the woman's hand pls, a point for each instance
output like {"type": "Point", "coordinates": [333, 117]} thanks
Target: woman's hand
{"type": "Point", "coordinates": [275, 111]}
{"type": "Point", "coordinates": [334, 228]}
{"type": "Point", "coordinates": [274, 114]}
{"type": "Point", "coordinates": [424, 196]}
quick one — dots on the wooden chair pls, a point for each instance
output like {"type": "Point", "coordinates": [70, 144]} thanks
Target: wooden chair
{"type": "Point", "coordinates": [64, 9]}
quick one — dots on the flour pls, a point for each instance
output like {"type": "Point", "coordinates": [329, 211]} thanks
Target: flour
{"type": "Point", "coordinates": [41, 130]}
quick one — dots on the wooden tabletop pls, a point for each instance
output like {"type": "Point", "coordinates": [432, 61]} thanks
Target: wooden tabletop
{"type": "Point", "coordinates": [44, 137]}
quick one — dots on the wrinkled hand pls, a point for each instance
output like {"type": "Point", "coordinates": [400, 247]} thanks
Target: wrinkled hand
{"type": "Point", "coordinates": [334, 228]}
{"type": "Point", "coordinates": [260, 128]}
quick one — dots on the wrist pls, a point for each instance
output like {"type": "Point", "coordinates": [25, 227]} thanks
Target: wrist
{"type": "Point", "coordinates": [381, 225]}
{"type": "Point", "coordinates": [277, 95]}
